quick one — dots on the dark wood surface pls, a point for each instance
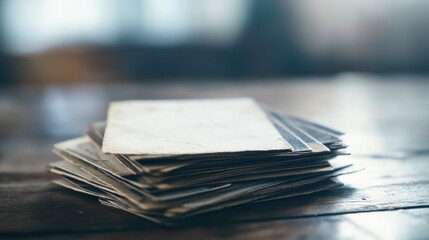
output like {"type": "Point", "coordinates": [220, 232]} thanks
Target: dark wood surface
{"type": "Point", "coordinates": [386, 121]}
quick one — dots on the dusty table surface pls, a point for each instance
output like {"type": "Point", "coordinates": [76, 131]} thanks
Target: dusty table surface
{"type": "Point", "coordinates": [387, 124]}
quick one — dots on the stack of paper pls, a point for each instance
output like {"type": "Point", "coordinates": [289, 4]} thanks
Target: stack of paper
{"type": "Point", "coordinates": [166, 160]}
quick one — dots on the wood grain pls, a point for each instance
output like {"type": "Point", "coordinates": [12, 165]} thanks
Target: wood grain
{"type": "Point", "coordinates": [387, 126]}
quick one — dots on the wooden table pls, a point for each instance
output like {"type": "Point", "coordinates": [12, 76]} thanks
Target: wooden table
{"type": "Point", "coordinates": [387, 125]}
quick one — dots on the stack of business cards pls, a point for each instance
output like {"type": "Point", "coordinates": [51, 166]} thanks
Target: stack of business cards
{"type": "Point", "coordinates": [169, 160]}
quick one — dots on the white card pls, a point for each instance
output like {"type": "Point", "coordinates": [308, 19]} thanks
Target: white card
{"type": "Point", "coordinates": [194, 126]}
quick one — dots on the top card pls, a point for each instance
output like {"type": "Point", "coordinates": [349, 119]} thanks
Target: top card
{"type": "Point", "coordinates": [194, 126]}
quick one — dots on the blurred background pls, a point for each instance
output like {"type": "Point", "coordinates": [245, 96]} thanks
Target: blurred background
{"type": "Point", "coordinates": [63, 61]}
{"type": "Point", "coordinates": [51, 42]}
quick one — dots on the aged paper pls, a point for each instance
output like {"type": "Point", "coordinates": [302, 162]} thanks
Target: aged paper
{"type": "Point", "coordinates": [169, 160]}
{"type": "Point", "coordinates": [180, 127]}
